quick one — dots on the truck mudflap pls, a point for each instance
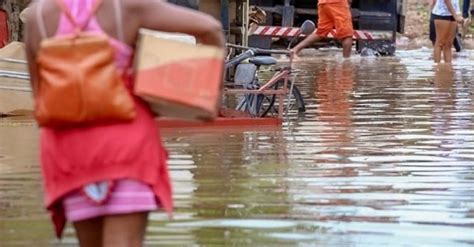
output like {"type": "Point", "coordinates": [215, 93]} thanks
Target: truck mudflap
{"type": "Point", "coordinates": [287, 32]}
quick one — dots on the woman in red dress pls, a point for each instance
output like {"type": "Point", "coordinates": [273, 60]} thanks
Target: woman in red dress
{"type": "Point", "coordinates": [105, 178]}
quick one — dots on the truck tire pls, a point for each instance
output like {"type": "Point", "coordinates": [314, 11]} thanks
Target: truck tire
{"type": "Point", "coordinates": [193, 4]}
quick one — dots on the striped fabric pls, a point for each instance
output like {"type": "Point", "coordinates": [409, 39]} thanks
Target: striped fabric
{"type": "Point", "coordinates": [126, 196]}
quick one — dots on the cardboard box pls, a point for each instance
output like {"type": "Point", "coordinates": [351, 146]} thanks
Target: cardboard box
{"type": "Point", "coordinates": [177, 78]}
{"type": "Point", "coordinates": [181, 37]}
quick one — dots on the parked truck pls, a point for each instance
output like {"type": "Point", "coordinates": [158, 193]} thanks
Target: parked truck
{"type": "Point", "coordinates": [376, 21]}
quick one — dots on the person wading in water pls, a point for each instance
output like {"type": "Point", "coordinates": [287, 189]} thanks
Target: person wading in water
{"type": "Point", "coordinates": [332, 14]}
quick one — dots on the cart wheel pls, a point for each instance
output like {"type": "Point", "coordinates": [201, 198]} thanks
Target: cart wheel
{"type": "Point", "coordinates": [296, 102]}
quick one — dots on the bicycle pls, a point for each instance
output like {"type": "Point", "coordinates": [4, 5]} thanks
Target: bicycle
{"type": "Point", "coordinates": [259, 100]}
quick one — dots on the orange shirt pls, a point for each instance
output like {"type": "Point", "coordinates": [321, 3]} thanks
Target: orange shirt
{"type": "Point", "coordinates": [330, 1]}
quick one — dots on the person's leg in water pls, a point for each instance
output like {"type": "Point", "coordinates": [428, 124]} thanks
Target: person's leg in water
{"type": "Point", "coordinates": [324, 21]}
{"type": "Point", "coordinates": [342, 19]}
{"type": "Point", "coordinates": [89, 232]}
{"type": "Point", "coordinates": [125, 230]}
{"type": "Point", "coordinates": [465, 8]}
{"type": "Point", "coordinates": [448, 52]}
{"type": "Point", "coordinates": [442, 40]}
{"type": "Point", "coordinates": [313, 38]}
{"type": "Point", "coordinates": [347, 47]}
{"type": "Point", "coordinates": [465, 14]}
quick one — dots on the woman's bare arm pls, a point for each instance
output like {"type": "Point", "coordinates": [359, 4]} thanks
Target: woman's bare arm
{"type": "Point", "coordinates": [163, 16]}
{"type": "Point", "coordinates": [31, 46]}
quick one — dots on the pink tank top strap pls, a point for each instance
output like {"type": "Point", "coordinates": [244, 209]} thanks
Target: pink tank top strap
{"type": "Point", "coordinates": [79, 25]}
{"type": "Point", "coordinates": [119, 20]}
{"type": "Point", "coordinates": [81, 13]}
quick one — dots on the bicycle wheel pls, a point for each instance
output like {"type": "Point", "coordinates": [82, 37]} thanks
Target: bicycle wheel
{"type": "Point", "coordinates": [296, 101]}
{"type": "Point", "coordinates": [255, 104]}
{"type": "Point", "coordinates": [250, 103]}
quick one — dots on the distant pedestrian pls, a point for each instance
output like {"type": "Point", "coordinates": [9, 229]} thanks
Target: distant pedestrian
{"type": "Point", "coordinates": [446, 15]}
{"type": "Point", "coordinates": [466, 9]}
{"type": "Point", "coordinates": [104, 177]}
{"type": "Point", "coordinates": [332, 14]}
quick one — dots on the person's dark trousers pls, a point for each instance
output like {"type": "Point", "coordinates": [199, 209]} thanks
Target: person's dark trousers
{"type": "Point", "coordinates": [465, 8]}
{"type": "Point", "coordinates": [432, 30]}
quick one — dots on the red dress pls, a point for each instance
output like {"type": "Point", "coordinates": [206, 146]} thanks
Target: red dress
{"type": "Point", "coordinates": [74, 157]}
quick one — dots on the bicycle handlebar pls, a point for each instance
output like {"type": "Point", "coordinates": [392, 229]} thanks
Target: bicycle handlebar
{"type": "Point", "coordinates": [260, 51]}
{"type": "Point", "coordinates": [240, 58]}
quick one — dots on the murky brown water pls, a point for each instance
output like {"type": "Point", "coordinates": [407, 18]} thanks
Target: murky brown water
{"type": "Point", "coordinates": [383, 157]}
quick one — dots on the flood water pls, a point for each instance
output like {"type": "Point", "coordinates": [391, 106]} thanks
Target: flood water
{"type": "Point", "coordinates": [384, 156]}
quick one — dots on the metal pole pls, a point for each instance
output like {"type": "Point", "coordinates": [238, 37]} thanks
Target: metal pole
{"type": "Point", "coordinates": [245, 24]}
{"type": "Point", "coordinates": [288, 14]}
{"type": "Point", "coordinates": [225, 18]}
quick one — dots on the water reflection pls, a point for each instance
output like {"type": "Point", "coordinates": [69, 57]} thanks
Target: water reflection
{"type": "Point", "coordinates": [235, 174]}
{"type": "Point", "coordinates": [334, 87]}
{"type": "Point", "coordinates": [383, 157]}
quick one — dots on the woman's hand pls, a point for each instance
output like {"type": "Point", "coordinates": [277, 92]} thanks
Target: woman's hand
{"type": "Point", "coordinates": [466, 22]}
{"type": "Point", "coordinates": [459, 19]}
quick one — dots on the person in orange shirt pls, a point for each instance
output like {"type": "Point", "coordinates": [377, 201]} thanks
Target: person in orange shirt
{"type": "Point", "coordinates": [332, 14]}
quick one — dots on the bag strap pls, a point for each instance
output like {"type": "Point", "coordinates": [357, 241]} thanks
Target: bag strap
{"type": "Point", "coordinates": [67, 12]}
{"type": "Point", "coordinates": [119, 20]}
{"type": "Point", "coordinates": [40, 20]}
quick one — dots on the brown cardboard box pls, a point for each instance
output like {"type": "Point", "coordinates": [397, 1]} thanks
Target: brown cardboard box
{"type": "Point", "coordinates": [179, 79]}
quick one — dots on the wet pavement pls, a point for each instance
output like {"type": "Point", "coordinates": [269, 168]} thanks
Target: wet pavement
{"type": "Point", "coordinates": [383, 157]}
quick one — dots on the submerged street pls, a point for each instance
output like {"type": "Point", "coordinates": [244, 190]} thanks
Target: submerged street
{"type": "Point", "coordinates": [384, 156]}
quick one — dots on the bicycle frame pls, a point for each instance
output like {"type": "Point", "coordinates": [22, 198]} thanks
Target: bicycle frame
{"type": "Point", "coordinates": [265, 89]}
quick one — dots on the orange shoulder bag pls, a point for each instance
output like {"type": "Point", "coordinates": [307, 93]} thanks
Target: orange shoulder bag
{"type": "Point", "coordinates": [78, 82]}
